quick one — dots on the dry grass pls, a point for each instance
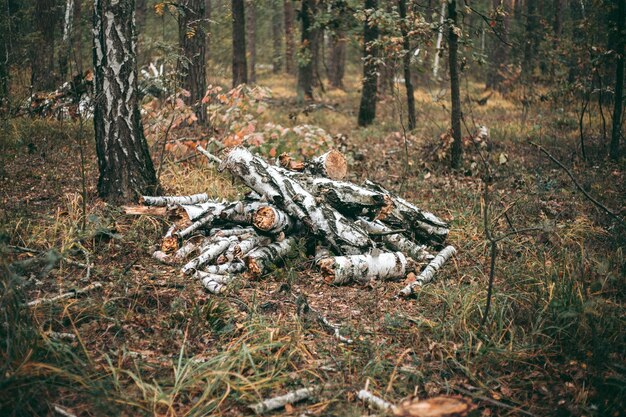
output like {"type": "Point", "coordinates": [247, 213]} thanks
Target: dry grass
{"type": "Point", "coordinates": [154, 343]}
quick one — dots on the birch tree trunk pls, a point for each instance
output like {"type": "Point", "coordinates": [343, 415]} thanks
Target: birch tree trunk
{"type": "Point", "coordinates": [126, 170]}
{"type": "Point", "coordinates": [367, 108]}
{"type": "Point", "coordinates": [439, 40]}
{"type": "Point", "coordinates": [192, 42]}
{"type": "Point", "coordinates": [66, 47]}
{"type": "Point", "coordinates": [343, 269]}
{"type": "Point", "coordinates": [240, 66]}
{"type": "Point", "coordinates": [290, 45]}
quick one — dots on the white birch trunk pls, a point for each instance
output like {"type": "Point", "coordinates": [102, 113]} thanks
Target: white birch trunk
{"type": "Point", "coordinates": [215, 283]}
{"type": "Point", "coordinates": [208, 253]}
{"type": "Point", "coordinates": [332, 165]}
{"type": "Point", "coordinates": [227, 268]}
{"type": "Point", "coordinates": [169, 200]}
{"type": "Point", "coordinates": [271, 220]}
{"type": "Point", "coordinates": [397, 242]}
{"type": "Point", "coordinates": [439, 39]}
{"type": "Point", "coordinates": [247, 245]}
{"type": "Point", "coordinates": [197, 210]}
{"type": "Point", "coordinates": [424, 225]}
{"type": "Point", "coordinates": [343, 269]}
{"type": "Point", "coordinates": [235, 231]}
{"type": "Point", "coordinates": [258, 260]}
{"type": "Point", "coordinates": [288, 194]}
{"type": "Point", "coordinates": [187, 249]}
{"type": "Point", "coordinates": [429, 272]}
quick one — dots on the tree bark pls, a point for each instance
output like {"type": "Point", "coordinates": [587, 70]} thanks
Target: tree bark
{"type": "Point", "coordinates": [428, 273]}
{"type": "Point", "coordinates": [455, 93]}
{"type": "Point", "coordinates": [251, 38]}
{"type": "Point", "coordinates": [337, 58]}
{"type": "Point", "coordinates": [619, 83]}
{"type": "Point", "coordinates": [42, 55]}
{"type": "Point", "coordinates": [290, 45]}
{"type": "Point", "coordinates": [528, 62]}
{"type": "Point", "coordinates": [240, 66]}
{"type": "Point", "coordinates": [367, 108]}
{"type": "Point", "coordinates": [406, 64]}
{"type": "Point", "coordinates": [498, 51]}
{"type": "Point", "coordinates": [277, 36]}
{"type": "Point", "coordinates": [126, 170]}
{"type": "Point", "coordinates": [64, 53]}
{"type": "Point", "coordinates": [305, 54]}
{"type": "Point", "coordinates": [289, 195]}
{"type": "Point", "coordinates": [363, 268]}
{"type": "Point", "coordinates": [192, 66]}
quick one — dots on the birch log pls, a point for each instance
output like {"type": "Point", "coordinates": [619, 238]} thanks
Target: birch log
{"type": "Point", "coordinates": [187, 249]}
{"type": "Point", "coordinates": [195, 211]}
{"type": "Point", "coordinates": [271, 220]}
{"type": "Point", "coordinates": [429, 272]}
{"type": "Point", "coordinates": [63, 296]}
{"type": "Point", "coordinates": [289, 398]}
{"type": "Point", "coordinates": [395, 241]}
{"type": "Point", "coordinates": [332, 164]}
{"type": "Point", "coordinates": [214, 283]}
{"type": "Point", "coordinates": [209, 216]}
{"type": "Point", "coordinates": [262, 257]}
{"type": "Point", "coordinates": [242, 248]}
{"type": "Point", "coordinates": [169, 200]}
{"type": "Point", "coordinates": [342, 269]}
{"type": "Point", "coordinates": [208, 253]}
{"type": "Point", "coordinates": [227, 268]}
{"type": "Point", "coordinates": [239, 212]}
{"type": "Point", "coordinates": [426, 226]}
{"type": "Point", "coordinates": [288, 194]}
{"type": "Point", "coordinates": [235, 231]}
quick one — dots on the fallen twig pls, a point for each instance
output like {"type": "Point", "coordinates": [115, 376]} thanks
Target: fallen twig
{"type": "Point", "coordinates": [63, 296]}
{"type": "Point", "coordinates": [429, 272]}
{"type": "Point", "coordinates": [281, 401]}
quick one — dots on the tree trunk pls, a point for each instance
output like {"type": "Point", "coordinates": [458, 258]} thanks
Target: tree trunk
{"type": "Point", "coordinates": [240, 66]}
{"type": "Point", "coordinates": [64, 53]}
{"type": "Point", "coordinates": [498, 52]}
{"type": "Point", "coordinates": [455, 93]}
{"type": "Point", "coordinates": [439, 40]}
{"type": "Point", "coordinates": [77, 50]}
{"type": "Point", "coordinates": [42, 55]}
{"type": "Point", "coordinates": [317, 39]}
{"type": "Point", "coordinates": [208, 10]}
{"type": "Point", "coordinates": [277, 40]}
{"type": "Point", "coordinates": [367, 108]}
{"type": "Point", "coordinates": [126, 170]}
{"type": "Point", "coordinates": [619, 83]}
{"type": "Point", "coordinates": [290, 46]}
{"type": "Point", "coordinates": [251, 37]}
{"type": "Point", "coordinates": [406, 63]}
{"type": "Point", "coordinates": [337, 58]}
{"type": "Point", "coordinates": [528, 62]}
{"type": "Point", "coordinates": [305, 62]}
{"type": "Point", "coordinates": [192, 67]}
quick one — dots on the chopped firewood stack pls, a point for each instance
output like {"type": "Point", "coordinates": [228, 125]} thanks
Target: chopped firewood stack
{"type": "Point", "coordinates": [360, 232]}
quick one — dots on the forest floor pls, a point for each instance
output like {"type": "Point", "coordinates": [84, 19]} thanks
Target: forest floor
{"type": "Point", "coordinates": [153, 342]}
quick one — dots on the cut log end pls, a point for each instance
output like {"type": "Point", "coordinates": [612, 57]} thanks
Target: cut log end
{"type": "Point", "coordinates": [264, 218]}
{"type": "Point", "coordinates": [336, 165]}
{"type": "Point", "coordinates": [254, 269]}
{"type": "Point", "coordinates": [169, 244]}
{"type": "Point", "coordinates": [285, 161]}
{"type": "Point", "coordinates": [327, 268]}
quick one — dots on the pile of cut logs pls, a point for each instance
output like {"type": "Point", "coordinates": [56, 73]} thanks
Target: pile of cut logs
{"type": "Point", "coordinates": [356, 233]}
